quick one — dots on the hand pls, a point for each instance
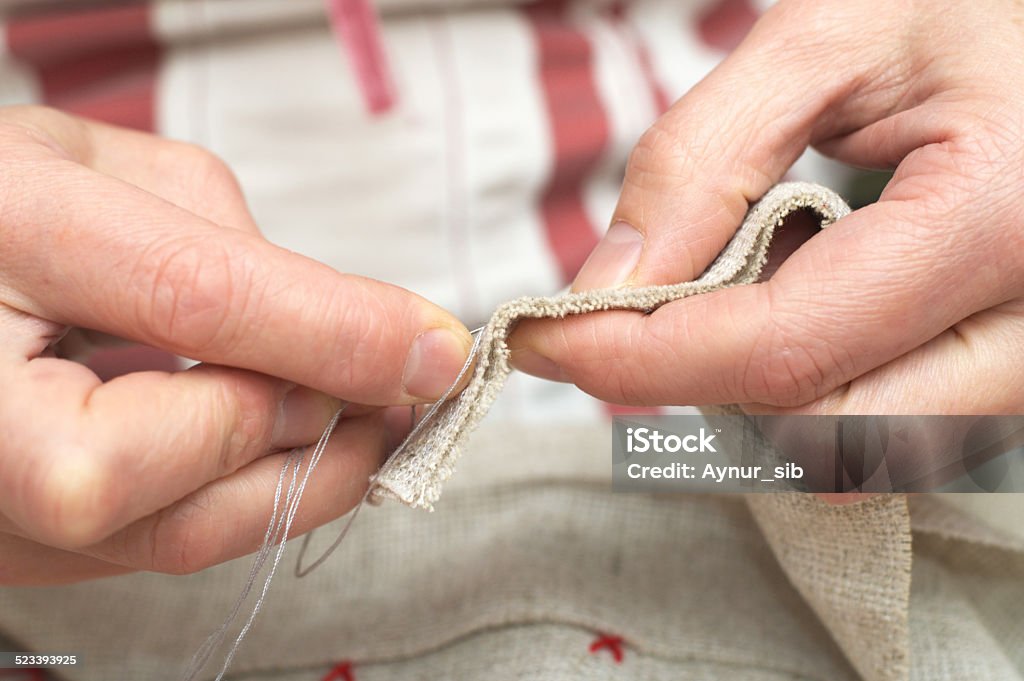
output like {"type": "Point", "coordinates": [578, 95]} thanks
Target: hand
{"type": "Point", "coordinates": [910, 305]}
{"type": "Point", "coordinates": [150, 240]}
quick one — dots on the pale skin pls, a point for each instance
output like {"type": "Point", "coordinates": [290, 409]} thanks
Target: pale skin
{"type": "Point", "coordinates": [141, 238]}
{"type": "Point", "coordinates": [912, 305]}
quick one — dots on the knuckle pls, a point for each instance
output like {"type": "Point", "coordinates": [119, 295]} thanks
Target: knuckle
{"type": "Point", "coordinates": [205, 173]}
{"type": "Point", "coordinates": [651, 159]}
{"type": "Point", "coordinates": [789, 365]}
{"type": "Point", "coordinates": [194, 293]}
{"type": "Point", "coordinates": [783, 376]}
{"type": "Point", "coordinates": [369, 339]}
{"type": "Point", "coordinates": [47, 127]}
{"type": "Point", "coordinates": [246, 418]}
{"type": "Point", "coordinates": [75, 500]}
{"type": "Point", "coordinates": [180, 540]}
{"type": "Point", "coordinates": [205, 166]}
{"type": "Point", "coordinates": [655, 352]}
{"type": "Point", "coordinates": [622, 367]}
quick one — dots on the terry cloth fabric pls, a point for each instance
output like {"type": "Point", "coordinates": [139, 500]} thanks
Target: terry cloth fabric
{"type": "Point", "coordinates": [415, 473]}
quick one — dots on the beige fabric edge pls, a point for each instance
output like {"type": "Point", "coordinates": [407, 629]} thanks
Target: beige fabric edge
{"type": "Point", "coordinates": [852, 564]}
{"type": "Point", "coordinates": [416, 472]}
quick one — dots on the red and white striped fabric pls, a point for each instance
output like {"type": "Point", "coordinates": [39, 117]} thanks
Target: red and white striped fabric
{"type": "Point", "coordinates": [470, 150]}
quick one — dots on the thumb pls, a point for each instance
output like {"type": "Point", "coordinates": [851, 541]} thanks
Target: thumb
{"type": "Point", "coordinates": [691, 176]}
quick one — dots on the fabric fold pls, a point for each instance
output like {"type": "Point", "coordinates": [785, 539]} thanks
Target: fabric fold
{"type": "Point", "coordinates": [852, 565]}
{"type": "Point", "coordinates": [417, 470]}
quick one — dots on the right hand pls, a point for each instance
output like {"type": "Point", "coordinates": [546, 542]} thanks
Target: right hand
{"type": "Point", "coordinates": [151, 240]}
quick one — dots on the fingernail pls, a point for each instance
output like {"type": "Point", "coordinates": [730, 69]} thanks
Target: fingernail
{"type": "Point", "coordinates": [613, 260]}
{"type": "Point", "coordinates": [536, 364]}
{"type": "Point", "coordinates": [434, 362]}
{"type": "Point", "coordinates": [301, 416]}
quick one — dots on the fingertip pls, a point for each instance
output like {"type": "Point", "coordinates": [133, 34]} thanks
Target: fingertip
{"type": "Point", "coordinates": [613, 261]}
{"type": "Point", "coordinates": [302, 414]}
{"type": "Point", "coordinates": [436, 358]}
{"type": "Point", "coordinates": [531, 362]}
{"type": "Point", "coordinates": [530, 351]}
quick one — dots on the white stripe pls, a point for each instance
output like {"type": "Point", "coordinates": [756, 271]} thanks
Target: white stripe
{"type": "Point", "coordinates": [18, 84]}
{"type": "Point", "coordinates": [174, 20]}
{"type": "Point", "coordinates": [508, 155]}
{"type": "Point", "coordinates": [629, 107]}
{"type": "Point", "coordinates": [679, 59]}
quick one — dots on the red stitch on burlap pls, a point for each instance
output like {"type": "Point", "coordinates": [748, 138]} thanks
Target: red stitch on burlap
{"type": "Point", "coordinates": [340, 672]}
{"type": "Point", "coordinates": [612, 643]}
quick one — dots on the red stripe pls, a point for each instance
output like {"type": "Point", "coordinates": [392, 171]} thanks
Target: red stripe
{"type": "Point", "coordinates": [620, 17]}
{"type": "Point", "coordinates": [726, 23]}
{"type": "Point", "coordinates": [98, 62]}
{"type": "Point", "coordinates": [662, 102]}
{"type": "Point", "coordinates": [109, 363]}
{"type": "Point", "coordinates": [579, 132]}
{"type": "Point", "coordinates": [62, 35]}
{"type": "Point", "coordinates": [356, 25]}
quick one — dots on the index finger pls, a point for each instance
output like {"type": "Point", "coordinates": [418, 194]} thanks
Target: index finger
{"type": "Point", "coordinates": [86, 249]}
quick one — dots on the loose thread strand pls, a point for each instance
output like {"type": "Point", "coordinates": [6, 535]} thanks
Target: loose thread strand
{"type": "Point", "coordinates": [202, 656]}
{"type": "Point", "coordinates": [283, 515]}
{"type": "Point", "coordinates": [417, 426]}
{"type": "Point", "coordinates": [278, 530]}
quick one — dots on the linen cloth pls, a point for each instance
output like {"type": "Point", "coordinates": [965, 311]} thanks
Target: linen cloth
{"type": "Point", "coordinates": [529, 557]}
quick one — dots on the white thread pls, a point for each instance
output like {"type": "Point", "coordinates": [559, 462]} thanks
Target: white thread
{"type": "Point", "coordinates": [279, 527]}
{"type": "Point", "coordinates": [416, 428]}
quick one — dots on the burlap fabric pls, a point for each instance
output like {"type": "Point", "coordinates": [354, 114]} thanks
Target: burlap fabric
{"type": "Point", "coordinates": [529, 555]}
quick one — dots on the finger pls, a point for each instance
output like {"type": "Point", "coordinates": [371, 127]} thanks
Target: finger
{"type": "Point", "coordinates": [96, 457]}
{"type": "Point", "coordinates": [138, 267]}
{"type": "Point", "coordinates": [25, 336]}
{"type": "Point", "coordinates": [691, 177]}
{"type": "Point", "coordinates": [228, 518]}
{"type": "Point", "coordinates": [825, 318]}
{"type": "Point", "coordinates": [26, 563]}
{"type": "Point", "coordinates": [184, 174]}
{"type": "Point", "coordinates": [187, 175]}
{"type": "Point", "coordinates": [964, 370]}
